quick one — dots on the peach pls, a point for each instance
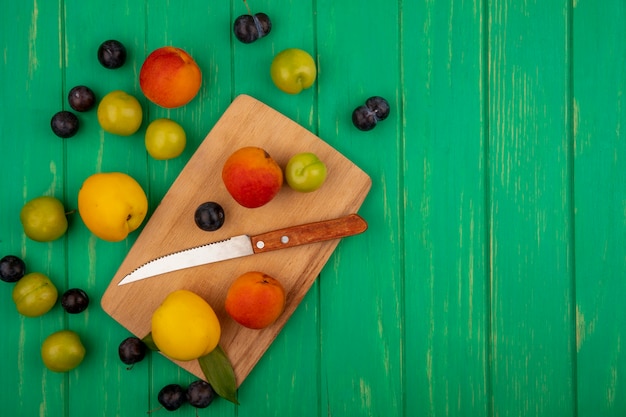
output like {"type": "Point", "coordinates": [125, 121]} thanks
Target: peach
{"type": "Point", "coordinates": [255, 300]}
{"type": "Point", "coordinates": [169, 77]}
{"type": "Point", "coordinates": [252, 177]}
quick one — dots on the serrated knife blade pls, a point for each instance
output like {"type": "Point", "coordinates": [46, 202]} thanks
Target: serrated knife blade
{"type": "Point", "coordinates": [245, 245]}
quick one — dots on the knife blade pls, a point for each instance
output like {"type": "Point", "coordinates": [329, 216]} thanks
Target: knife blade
{"type": "Point", "coordinates": [245, 245]}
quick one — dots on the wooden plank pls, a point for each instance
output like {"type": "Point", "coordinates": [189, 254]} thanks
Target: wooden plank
{"type": "Point", "coordinates": [361, 290]}
{"type": "Point", "coordinates": [530, 157]}
{"type": "Point", "coordinates": [31, 87]}
{"type": "Point", "coordinates": [91, 261]}
{"type": "Point", "coordinates": [445, 148]}
{"type": "Point", "coordinates": [600, 199]}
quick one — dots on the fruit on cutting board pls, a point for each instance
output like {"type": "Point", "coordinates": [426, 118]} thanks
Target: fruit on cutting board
{"type": "Point", "coordinates": [255, 300]}
{"type": "Point", "coordinates": [185, 327]}
{"type": "Point", "coordinates": [43, 219]}
{"type": "Point", "coordinates": [112, 205]}
{"type": "Point", "coordinates": [170, 77]}
{"type": "Point", "coordinates": [293, 70]}
{"type": "Point", "coordinates": [62, 351]}
{"type": "Point", "coordinates": [165, 139]}
{"type": "Point", "coordinates": [34, 295]}
{"type": "Point", "coordinates": [120, 113]}
{"type": "Point", "coordinates": [209, 216]}
{"type": "Point", "coordinates": [252, 177]}
{"type": "Point", "coordinates": [305, 172]}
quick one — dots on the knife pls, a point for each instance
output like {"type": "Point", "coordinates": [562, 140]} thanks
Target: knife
{"type": "Point", "coordinates": [245, 245]}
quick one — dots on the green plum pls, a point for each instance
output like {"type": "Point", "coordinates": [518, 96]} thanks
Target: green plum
{"type": "Point", "coordinates": [62, 351]}
{"type": "Point", "coordinates": [305, 172]}
{"type": "Point", "coordinates": [293, 70]}
{"type": "Point", "coordinates": [34, 294]}
{"type": "Point", "coordinates": [43, 219]}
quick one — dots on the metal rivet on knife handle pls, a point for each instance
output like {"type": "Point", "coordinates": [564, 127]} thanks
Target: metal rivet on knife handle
{"type": "Point", "coordinates": [309, 233]}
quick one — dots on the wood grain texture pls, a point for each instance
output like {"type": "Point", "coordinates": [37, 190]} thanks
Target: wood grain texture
{"type": "Point", "coordinates": [530, 152]}
{"type": "Point", "coordinates": [491, 279]}
{"type": "Point", "coordinates": [247, 122]}
{"type": "Point", "coordinates": [600, 202]}
{"type": "Point", "coordinates": [445, 224]}
{"type": "Point", "coordinates": [31, 84]}
{"type": "Point", "coordinates": [361, 353]}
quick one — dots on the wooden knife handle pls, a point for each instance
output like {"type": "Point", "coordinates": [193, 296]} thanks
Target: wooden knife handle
{"type": "Point", "coordinates": [349, 225]}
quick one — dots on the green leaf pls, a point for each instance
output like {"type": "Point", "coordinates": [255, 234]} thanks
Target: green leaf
{"type": "Point", "coordinates": [220, 374]}
{"type": "Point", "coordinates": [149, 342]}
{"type": "Point", "coordinates": [216, 367]}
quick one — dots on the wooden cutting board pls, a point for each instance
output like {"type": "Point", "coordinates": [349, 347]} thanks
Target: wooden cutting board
{"type": "Point", "coordinates": [247, 122]}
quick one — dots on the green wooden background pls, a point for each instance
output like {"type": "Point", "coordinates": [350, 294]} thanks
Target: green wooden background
{"type": "Point", "coordinates": [491, 281]}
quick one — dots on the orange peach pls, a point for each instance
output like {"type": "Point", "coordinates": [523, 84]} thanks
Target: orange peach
{"type": "Point", "coordinates": [255, 300]}
{"type": "Point", "coordinates": [252, 177]}
{"type": "Point", "coordinates": [169, 77]}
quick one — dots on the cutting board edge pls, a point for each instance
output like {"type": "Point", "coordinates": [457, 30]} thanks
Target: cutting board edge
{"type": "Point", "coordinates": [352, 206]}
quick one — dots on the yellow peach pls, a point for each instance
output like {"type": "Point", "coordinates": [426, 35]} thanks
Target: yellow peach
{"type": "Point", "coordinates": [185, 327]}
{"type": "Point", "coordinates": [112, 204]}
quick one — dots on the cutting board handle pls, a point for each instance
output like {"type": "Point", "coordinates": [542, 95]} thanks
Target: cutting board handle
{"type": "Point", "coordinates": [349, 225]}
